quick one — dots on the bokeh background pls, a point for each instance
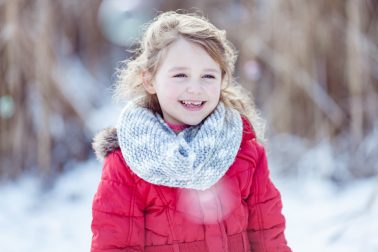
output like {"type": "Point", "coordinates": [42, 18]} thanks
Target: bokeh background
{"type": "Point", "coordinates": [311, 66]}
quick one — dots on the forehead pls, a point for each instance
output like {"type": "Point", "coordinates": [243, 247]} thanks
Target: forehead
{"type": "Point", "coordinates": [185, 54]}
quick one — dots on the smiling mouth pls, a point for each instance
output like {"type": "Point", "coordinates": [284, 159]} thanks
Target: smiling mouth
{"type": "Point", "coordinates": [192, 104]}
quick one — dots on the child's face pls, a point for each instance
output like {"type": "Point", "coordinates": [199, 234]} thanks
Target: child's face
{"type": "Point", "coordinates": [187, 84]}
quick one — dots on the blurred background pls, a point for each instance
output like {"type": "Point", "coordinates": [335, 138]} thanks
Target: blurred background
{"type": "Point", "coordinates": [312, 67]}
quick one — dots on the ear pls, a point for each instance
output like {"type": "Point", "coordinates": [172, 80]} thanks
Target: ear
{"type": "Point", "coordinates": [148, 82]}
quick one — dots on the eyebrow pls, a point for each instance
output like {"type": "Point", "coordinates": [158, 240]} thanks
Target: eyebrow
{"type": "Point", "coordinates": [185, 68]}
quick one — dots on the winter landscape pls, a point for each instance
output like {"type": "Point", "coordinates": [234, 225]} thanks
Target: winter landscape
{"type": "Point", "coordinates": [311, 66]}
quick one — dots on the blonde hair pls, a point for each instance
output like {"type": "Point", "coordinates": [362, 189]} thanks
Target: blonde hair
{"type": "Point", "coordinates": [160, 33]}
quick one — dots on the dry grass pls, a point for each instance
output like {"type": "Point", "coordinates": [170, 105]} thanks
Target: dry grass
{"type": "Point", "coordinates": [30, 40]}
{"type": "Point", "coordinates": [319, 55]}
{"type": "Point", "coordinates": [312, 67]}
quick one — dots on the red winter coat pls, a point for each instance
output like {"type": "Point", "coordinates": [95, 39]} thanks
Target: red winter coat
{"type": "Point", "coordinates": [241, 212]}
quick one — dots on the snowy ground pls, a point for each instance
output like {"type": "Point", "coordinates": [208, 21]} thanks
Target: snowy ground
{"type": "Point", "coordinates": [320, 217]}
{"type": "Point", "coordinates": [55, 221]}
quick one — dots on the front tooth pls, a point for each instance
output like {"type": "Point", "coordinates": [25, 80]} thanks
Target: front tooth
{"type": "Point", "coordinates": [192, 103]}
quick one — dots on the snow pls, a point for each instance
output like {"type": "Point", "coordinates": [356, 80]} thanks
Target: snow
{"type": "Point", "coordinates": [57, 220]}
{"type": "Point", "coordinates": [323, 217]}
{"type": "Point", "coordinates": [320, 216]}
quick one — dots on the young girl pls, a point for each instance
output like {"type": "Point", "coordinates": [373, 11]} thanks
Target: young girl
{"type": "Point", "coordinates": [183, 170]}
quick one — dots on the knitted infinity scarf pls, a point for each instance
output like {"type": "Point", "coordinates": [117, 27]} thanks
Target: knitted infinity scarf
{"type": "Point", "coordinates": [195, 158]}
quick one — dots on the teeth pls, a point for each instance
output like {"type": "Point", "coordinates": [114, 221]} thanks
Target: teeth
{"type": "Point", "coordinates": [195, 103]}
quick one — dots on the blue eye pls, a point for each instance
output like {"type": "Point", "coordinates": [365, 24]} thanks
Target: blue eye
{"type": "Point", "coordinates": [209, 76]}
{"type": "Point", "coordinates": [180, 75]}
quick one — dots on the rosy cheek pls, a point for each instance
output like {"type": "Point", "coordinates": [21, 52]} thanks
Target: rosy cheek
{"type": "Point", "coordinates": [214, 89]}
{"type": "Point", "coordinates": [172, 93]}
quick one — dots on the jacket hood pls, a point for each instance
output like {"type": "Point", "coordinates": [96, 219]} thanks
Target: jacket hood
{"type": "Point", "coordinates": [105, 142]}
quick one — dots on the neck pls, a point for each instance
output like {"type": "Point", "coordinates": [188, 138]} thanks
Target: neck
{"type": "Point", "coordinates": [177, 127]}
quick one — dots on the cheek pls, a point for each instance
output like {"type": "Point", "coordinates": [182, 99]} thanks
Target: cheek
{"type": "Point", "coordinates": [214, 90]}
{"type": "Point", "coordinates": [167, 92]}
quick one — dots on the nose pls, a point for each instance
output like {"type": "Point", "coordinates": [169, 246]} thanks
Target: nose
{"type": "Point", "coordinates": [194, 87]}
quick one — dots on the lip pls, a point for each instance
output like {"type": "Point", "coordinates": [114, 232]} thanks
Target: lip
{"type": "Point", "coordinates": [191, 107]}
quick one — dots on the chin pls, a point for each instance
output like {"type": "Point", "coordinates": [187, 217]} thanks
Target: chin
{"type": "Point", "coordinates": [194, 122]}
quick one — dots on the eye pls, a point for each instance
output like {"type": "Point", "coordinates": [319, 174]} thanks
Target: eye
{"type": "Point", "coordinates": [180, 75]}
{"type": "Point", "coordinates": [208, 76]}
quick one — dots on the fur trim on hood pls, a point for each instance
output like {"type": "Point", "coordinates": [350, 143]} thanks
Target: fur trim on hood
{"type": "Point", "coordinates": [105, 142]}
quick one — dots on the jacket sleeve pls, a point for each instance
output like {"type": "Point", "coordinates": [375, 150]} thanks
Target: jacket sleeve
{"type": "Point", "coordinates": [266, 224]}
{"type": "Point", "coordinates": [117, 210]}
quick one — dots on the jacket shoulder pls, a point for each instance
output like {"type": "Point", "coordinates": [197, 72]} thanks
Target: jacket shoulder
{"type": "Point", "coordinates": [250, 148]}
{"type": "Point", "coordinates": [105, 142]}
{"type": "Point", "coordinates": [248, 131]}
{"type": "Point", "coordinates": [106, 147]}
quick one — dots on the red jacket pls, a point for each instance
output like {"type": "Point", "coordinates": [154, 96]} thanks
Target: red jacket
{"type": "Point", "coordinates": [241, 212]}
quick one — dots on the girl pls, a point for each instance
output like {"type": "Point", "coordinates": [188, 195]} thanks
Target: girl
{"type": "Point", "coordinates": [183, 170]}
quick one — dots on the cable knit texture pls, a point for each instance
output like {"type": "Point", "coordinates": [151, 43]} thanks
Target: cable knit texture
{"type": "Point", "coordinates": [195, 158]}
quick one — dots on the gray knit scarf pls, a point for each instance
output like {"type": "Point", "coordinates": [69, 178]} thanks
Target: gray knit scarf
{"type": "Point", "coordinates": [196, 158]}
